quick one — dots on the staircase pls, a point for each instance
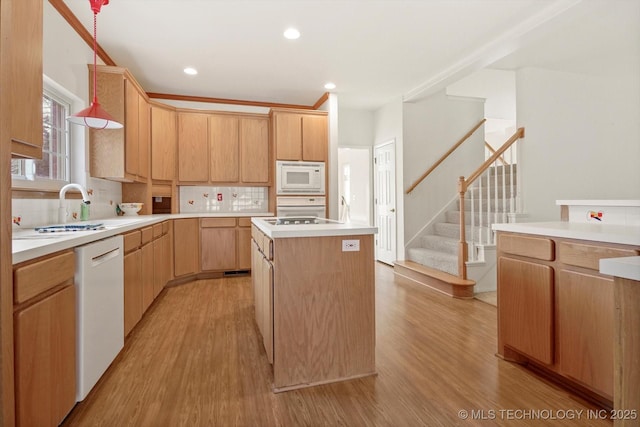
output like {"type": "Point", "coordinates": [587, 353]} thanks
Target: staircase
{"type": "Point", "coordinates": [436, 251]}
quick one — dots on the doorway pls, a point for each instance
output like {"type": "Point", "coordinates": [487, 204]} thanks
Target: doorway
{"type": "Point", "coordinates": [354, 184]}
{"type": "Point", "coordinates": [385, 201]}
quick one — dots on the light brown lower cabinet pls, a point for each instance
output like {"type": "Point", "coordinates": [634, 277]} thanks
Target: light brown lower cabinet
{"type": "Point", "coordinates": [148, 265]}
{"type": "Point", "coordinates": [45, 359]}
{"type": "Point", "coordinates": [555, 308]}
{"type": "Point", "coordinates": [185, 246]}
{"type": "Point", "coordinates": [225, 244]}
{"type": "Point", "coordinates": [132, 290]}
{"type": "Point", "coordinates": [262, 283]}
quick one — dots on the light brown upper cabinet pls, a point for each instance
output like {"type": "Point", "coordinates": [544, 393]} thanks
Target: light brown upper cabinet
{"type": "Point", "coordinates": [163, 143]}
{"type": "Point", "coordinates": [300, 135]}
{"type": "Point", "coordinates": [193, 147]}
{"type": "Point", "coordinates": [144, 137]}
{"type": "Point", "coordinates": [254, 150]}
{"type": "Point", "coordinates": [120, 154]}
{"type": "Point", "coordinates": [224, 144]}
{"type": "Point", "coordinates": [26, 78]}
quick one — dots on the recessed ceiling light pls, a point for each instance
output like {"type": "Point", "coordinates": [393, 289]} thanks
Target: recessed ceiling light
{"type": "Point", "coordinates": [330, 86]}
{"type": "Point", "coordinates": [292, 34]}
{"type": "Point", "coordinates": [190, 71]}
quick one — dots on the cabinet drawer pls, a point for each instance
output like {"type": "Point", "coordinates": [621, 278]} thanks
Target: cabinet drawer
{"type": "Point", "coordinates": [588, 256]}
{"type": "Point", "coordinates": [146, 235]}
{"type": "Point", "coordinates": [35, 278]}
{"type": "Point", "coordinates": [217, 222]}
{"type": "Point", "coordinates": [532, 247]}
{"type": "Point", "coordinates": [165, 227]}
{"type": "Point", "coordinates": [244, 222]}
{"type": "Point", "coordinates": [132, 240]}
{"type": "Point", "coordinates": [157, 230]}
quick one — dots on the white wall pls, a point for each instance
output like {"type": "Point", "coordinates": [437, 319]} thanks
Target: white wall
{"type": "Point", "coordinates": [582, 138]}
{"type": "Point", "coordinates": [356, 127]}
{"type": "Point", "coordinates": [431, 127]}
{"type": "Point", "coordinates": [387, 126]}
{"type": "Point", "coordinates": [359, 198]}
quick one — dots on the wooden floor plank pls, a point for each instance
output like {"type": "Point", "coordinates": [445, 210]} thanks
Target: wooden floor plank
{"type": "Point", "coordinates": [196, 359]}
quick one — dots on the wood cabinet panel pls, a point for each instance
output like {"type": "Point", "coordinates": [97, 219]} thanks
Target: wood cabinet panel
{"type": "Point", "coordinates": [185, 246]}
{"type": "Point", "coordinates": [147, 268]}
{"type": "Point", "coordinates": [585, 325]}
{"type": "Point", "coordinates": [45, 360]}
{"type": "Point", "coordinates": [131, 136]}
{"type": "Point", "coordinates": [224, 146]}
{"type": "Point", "coordinates": [132, 290]}
{"type": "Point", "coordinates": [589, 256]}
{"type": "Point", "coordinates": [217, 222]}
{"type": "Point", "coordinates": [37, 277]}
{"type": "Point", "coordinates": [146, 234]}
{"type": "Point", "coordinates": [314, 138]}
{"type": "Point", "coordinates": [527, 307]}
{"type": "Point", "coordinates": [244, 248]}
{"type": "Point", "coordinates": [244, 222]}
{"type": "Point", "coordinates": [144, 137]}
{"type": "Point", "coordinates": [193, 147]}
{"type": "Point", "coordinates": [532, 247]}
{"type": "Point", "coordinates": [254, 150]}
{"type": "Point", "coordinates": [131, 240]}
{"type": "Point", "coordinates": [288, 136]}
{"type": "Point", "coordinates": [25, 67]}
{"type": "Point", "coordinates": [266, 283]}
{"type": "Point", "coordinates": [163, 143]}
{"type": "Point", "coordinates": [218, 249]}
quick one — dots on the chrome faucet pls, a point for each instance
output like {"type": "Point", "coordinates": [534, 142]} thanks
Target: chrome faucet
{"type": "Point", "coordinates": [62, 210]}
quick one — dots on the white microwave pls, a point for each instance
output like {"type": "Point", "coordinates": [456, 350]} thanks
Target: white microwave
{"type": "Point", "coordinates": [300, 177]}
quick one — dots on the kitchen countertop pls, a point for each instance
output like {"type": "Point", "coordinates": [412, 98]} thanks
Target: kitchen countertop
{"type": "Point", "coordinates": [28, 244]}
{"type": "Point", "coordinates": [607, 233]}
{"type": "Point", "coordinates": [334, 228]}
{"type": "Point", "coordinates": [626, 267]}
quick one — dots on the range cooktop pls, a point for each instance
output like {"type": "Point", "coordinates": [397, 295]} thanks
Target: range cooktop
{"type": "Point", "coordinates": [300, 220]}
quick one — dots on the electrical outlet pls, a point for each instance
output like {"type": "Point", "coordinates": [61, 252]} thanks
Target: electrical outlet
{"type": "Point", "coordinates": [350, 245]}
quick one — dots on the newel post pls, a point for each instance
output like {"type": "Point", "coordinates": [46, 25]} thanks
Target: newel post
{"type": "Point", "coordinates": [463, 250]}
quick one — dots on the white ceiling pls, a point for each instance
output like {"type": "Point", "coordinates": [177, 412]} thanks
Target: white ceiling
{"type": "Point", "coordinates": [373, 50]}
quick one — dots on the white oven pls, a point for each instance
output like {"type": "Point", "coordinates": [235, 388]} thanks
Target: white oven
{"type": "Point", "coordinates": [300, 177]}
{"type": "Point", "coordinates": [300, 207]}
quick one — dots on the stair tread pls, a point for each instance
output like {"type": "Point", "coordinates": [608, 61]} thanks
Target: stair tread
{"type": "Point", "coordinates": [440, 275]}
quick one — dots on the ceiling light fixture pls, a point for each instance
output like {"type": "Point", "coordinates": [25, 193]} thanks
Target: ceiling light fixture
{"type": "Point", "coordinates": [292, 34]}
{"type": "Point", "coordinates": [95, 116]}
{"type": "Point", "coordinates": [330, 85]}
{"type": "Point", "coordinates": [190, 71]}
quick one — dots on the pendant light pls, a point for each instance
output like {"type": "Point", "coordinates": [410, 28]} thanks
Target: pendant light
{"type": "Point", "coordinates": [95, 116]}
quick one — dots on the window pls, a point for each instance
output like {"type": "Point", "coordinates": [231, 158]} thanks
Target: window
{"type": "Point", "coordinates": [53, 169]}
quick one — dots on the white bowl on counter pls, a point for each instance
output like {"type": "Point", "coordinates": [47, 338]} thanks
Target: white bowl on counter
{"type": "Point", "coordinates": [130, 208]}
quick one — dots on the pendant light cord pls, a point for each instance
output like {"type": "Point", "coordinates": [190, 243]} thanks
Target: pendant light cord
{"type": "Point", "coordinates": [95, 60]}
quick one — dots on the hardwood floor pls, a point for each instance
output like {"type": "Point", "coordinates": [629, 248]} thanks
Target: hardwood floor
{"type": "Point", "coordinates": [196, 359]}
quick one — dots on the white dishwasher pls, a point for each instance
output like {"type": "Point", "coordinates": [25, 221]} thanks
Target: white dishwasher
{"type": "Point", "coordinates": [99, 282]}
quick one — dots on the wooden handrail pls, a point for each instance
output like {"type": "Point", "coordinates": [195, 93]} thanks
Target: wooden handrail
{"type": "Point", "coordinates": [443, 158]}
{"type": "Point", "coordinates": [492, 151]}
{"type": "Point", "coordinates": [463, 185]}
{"type": "Point", "coordinates": [467, 182]}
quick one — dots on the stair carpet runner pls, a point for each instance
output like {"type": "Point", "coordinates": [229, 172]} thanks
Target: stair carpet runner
{"type": "Point", "coordinates": [439, 249]}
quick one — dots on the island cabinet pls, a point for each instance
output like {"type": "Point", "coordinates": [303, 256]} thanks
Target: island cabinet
{"type": "Point", "coordinates": [45, 339]}
{"type": "Point", "coordinates": [25, 91]}
{"type": "Point", "coordinates": [120, 154]}
{"type": "Point", "coordinates": [300, 134]}
{"type": "Point", "coordinates": [225, 244]}
{"type": "Point", "coordinates": [314, 302]}
{"type": "Point", "coordinates": [223, 148]}
{"type": "Point", "coordinates": [556, 311]}
{"type": "Point", "coordinates": [163, 143]}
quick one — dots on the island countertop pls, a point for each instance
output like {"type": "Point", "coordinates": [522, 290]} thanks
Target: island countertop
{"type": "Point", "coordinates": [327, 228]}
{"type": "Point", "coordinates": [607, 233]}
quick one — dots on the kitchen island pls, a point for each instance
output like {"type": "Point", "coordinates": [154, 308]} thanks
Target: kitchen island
{"type": "Point", "coordinates": [314, 292]}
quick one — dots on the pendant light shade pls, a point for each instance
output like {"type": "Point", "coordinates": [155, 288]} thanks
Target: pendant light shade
{"type": "Point", "coordinates": [95, 116]}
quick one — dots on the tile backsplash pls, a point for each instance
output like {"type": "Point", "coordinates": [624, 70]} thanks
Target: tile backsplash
{"type": "Point", "coordinates": [194, 199]}
{"type": "Point", "coordinates": [104, 196]}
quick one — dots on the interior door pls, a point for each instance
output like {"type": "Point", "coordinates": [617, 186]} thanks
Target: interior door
{"type": "Point", "coordinates": [385, 201]}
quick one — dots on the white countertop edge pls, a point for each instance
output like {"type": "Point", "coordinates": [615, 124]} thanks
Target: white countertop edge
{"type": "Point", "coordinates": [313, 230]}
{"type": "Point", "coordinates": [626, 267]}
{"type": "Point", "coordinates": [607, 233]}
{"type": "Point", "coordinates": [26, 250]}
{"type": "Point", "coordinates": [625, 203]}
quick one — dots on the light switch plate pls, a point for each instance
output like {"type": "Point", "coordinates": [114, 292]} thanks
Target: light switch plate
{"type": "Point", "coordinates": [350, 245]}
